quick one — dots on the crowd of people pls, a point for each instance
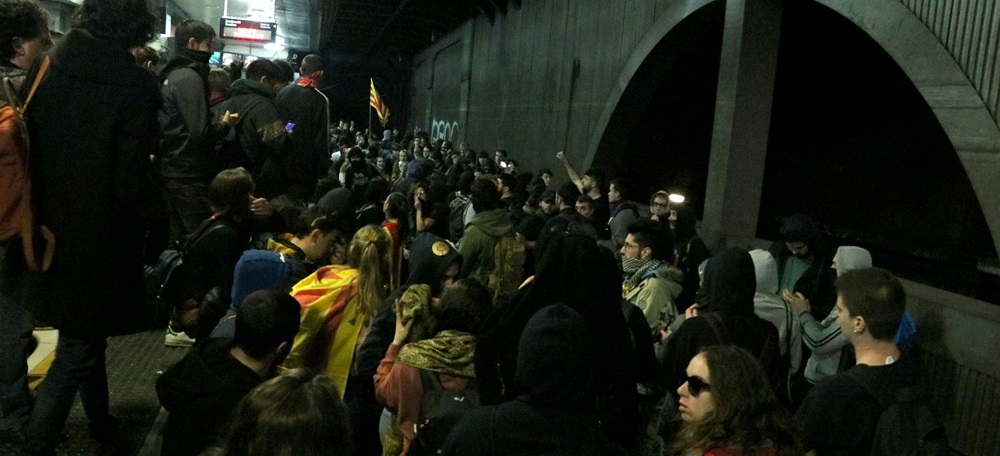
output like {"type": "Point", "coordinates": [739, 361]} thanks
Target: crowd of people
{"type": "Point", "coordinates": [350, 292]}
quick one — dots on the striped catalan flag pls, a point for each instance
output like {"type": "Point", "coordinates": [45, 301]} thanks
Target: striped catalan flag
{"type": "Point", "coordinates": [376, 102]}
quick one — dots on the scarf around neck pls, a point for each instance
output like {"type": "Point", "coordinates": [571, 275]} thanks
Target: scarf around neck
{"type": "Point", "coordinates": [449, 352]}
{"type": "Point", "coordinates": [635, 269]}
{"type": "Point", "coordinates": [310, 81]}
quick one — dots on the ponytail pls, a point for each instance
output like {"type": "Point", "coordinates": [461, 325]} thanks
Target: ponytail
{"type": "Point", "coordinates": [371, 253]}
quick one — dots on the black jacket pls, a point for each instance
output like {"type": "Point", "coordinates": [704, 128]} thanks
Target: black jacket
{"type": "Point", "coordinates": [189, 131]}
{"type": "Point", "coordinates": [307, 152]}
{"type": "Point", "coordinates": [727, 319]}
{"type": "Point", "coordinates": [260, 133]}
{"type": "Point", "coordinates": [92, 125]}
{"type": "Point", "coordinates": [200, 393]}
{"type": "Point", "coordinates": [555, 415]}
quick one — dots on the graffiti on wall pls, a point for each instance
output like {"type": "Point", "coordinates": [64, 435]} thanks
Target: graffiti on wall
{"type": "Point", "coordinates": [442, 129]}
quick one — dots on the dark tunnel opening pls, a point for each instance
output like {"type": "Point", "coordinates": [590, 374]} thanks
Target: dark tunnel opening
{"type": "Point", "coordinates": [852, 142]}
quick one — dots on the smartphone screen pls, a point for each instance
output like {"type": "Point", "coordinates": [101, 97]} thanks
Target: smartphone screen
{"type": "Point", "coordinates": [289, 126]}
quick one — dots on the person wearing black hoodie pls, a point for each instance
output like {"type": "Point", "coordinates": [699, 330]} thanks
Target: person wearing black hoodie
{"type": "Point", "coordinates": [259, 130]}
{"type": "Point", "coordinates": [201, 391]}
{"type": "Point", "coordinates": [186, 162]}
{"type": "Point", "coordinates": [573, 270]}
{"type": "Point", "coordinates": [554, 413]}
{"type": "Point", "coordinates": [433, 261]}
{"type": "Point", "coordinates": [724, 317]}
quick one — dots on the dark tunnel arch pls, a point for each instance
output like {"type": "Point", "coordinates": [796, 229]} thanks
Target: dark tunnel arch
{"type": "Point", "coordinates": [658, 134]}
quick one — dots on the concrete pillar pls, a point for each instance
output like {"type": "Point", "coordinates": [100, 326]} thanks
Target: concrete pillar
{"type": "Point", "coordinates": [742, 119]}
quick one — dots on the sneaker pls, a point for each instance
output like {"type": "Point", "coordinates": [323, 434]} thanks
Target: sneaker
{"type": "Point", "coordinates": [177, 339]}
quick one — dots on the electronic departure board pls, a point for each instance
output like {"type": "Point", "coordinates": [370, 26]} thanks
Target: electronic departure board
{"type": "Point", "coordinates": [248, 30]}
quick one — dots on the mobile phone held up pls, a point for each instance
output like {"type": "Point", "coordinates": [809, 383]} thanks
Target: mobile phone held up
{"type": "Point", "coordinates": [289, 127]}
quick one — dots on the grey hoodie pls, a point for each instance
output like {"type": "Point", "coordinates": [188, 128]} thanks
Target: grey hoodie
{"type": "Point", "coordinates": [824, 338]}
{"type": "Point", "coordinates": [769, 306]}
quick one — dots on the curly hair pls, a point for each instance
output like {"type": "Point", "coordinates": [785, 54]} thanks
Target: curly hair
{"type": "Point", "coordinates": [130, 23]}
{"type": "Point", "coordinates": [747, 414]}
{"type": "Point", "coordinates": [23, 19]}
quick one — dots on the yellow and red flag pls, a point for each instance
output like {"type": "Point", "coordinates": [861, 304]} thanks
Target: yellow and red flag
{"type": "Point", "coordinates": [376, 102]}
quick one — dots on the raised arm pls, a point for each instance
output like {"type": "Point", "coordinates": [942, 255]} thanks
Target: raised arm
{"type": "Point", "coordinates": [574, 175]}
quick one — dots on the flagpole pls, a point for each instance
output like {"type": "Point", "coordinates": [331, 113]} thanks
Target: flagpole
{"type": "Point", "coordinates": [369, 121]}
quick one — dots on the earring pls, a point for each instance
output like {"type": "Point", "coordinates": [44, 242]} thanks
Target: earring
{"type": "Point", "coordinates": [857, 331]}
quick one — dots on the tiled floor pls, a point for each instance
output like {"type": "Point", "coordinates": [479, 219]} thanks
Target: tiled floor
{"type": "Point", "coordinates": [134, 363]}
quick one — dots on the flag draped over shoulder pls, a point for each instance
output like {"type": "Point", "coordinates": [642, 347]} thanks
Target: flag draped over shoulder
{"type": "Point", "coordinates": [376, 102]}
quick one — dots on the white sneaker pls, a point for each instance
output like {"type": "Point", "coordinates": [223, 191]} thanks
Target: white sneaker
{"type": "Point", "coordinates": [177, 339]}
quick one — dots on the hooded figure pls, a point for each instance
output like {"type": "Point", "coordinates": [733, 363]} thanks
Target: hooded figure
{"type": "Point", "coordinates": [726, 317]}
{"type": "Point", "coordinates": [554, 414]}
{"type": "Point", "coordinates": [823, 337]}
{"type": "Point", "coordinates": [570, 269]}
{"type": "Point", "coordinates": [769, 306]}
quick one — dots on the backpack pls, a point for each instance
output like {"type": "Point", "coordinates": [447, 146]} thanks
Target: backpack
{"type": "Point", "coordinates": [160, 281]}
{"type": "Point", "coordinates": [508, 268]}
{"type": "Point", "coordinates": [167, 282]}
{"type": "Point", "coordinates": [907, 425]}
{"type": "Point", "coordinates": [16, 209]}
{"type": "Point", "coordinates": [440, 410]}
{"type": "Point", "coordinates": [456, 218]}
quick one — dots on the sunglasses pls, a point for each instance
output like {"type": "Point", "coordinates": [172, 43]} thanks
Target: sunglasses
{"type": "Point", "coordinates": [696, 385]}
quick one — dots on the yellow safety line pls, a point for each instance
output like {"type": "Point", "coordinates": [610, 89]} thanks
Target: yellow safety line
{"type": "Point", "coordinates": [38, 373]}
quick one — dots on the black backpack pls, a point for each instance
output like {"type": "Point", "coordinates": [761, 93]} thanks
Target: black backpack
{"type": "Point", "coordinates": [166, 281]}
{"type": "Point", "coordinates": [907, 425]}
{"type": "Point", "coordinates": [440, 410]}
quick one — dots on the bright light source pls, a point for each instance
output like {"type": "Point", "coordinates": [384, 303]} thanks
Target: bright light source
{"type": "Point", "coordinates": [675, 198]}
{"type": "Point", "coordinates": [274, 47]}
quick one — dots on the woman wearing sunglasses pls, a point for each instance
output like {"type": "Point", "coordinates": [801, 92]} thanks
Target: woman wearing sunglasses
{"type": "Point", "coordinates": [728, 409]}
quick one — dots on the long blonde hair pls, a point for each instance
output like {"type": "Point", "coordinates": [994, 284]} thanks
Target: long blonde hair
{"type": "Point", "coordinates": [370, 253]}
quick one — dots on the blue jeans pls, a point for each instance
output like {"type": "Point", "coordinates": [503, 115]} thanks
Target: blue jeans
{"type": "Point", "coordinates": [79, 366]}
{"type": "Point", "coordinates": [15, 334]}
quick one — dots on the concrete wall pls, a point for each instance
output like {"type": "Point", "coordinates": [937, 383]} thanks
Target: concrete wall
{"type": "Point", "coordinates": [549, 76]}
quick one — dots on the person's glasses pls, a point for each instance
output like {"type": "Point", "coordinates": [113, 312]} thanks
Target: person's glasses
{"type": "Point", "coordinates": [696, 385]}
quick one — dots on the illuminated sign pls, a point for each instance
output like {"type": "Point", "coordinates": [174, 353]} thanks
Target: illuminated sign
{"type": "Point", "coordinates": [247, 30]}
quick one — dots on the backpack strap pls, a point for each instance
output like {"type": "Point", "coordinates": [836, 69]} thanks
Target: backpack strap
{"type": "Point", "coordinates": [42, 70]}
{"type": "Point", "coordinates": [28, 222]}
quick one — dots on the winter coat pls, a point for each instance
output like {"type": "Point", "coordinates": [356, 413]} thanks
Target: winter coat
{"type": "Point", "coordinates": [307, 152]}
{"type": "Point", "coordinates": [92, 125]}
{"type": "Point", "coordinates": [189, 129]}
{"type": "Point", "coordinates": [655, 296]}
{"type": "Point", "coordinates": [555, 369]}
{"type": "Point", "coordinates": [480, 240]}
{"type": "Point", "coordinates": [260, 132]}
{"type": "Point", "coordinates": [727, 319]}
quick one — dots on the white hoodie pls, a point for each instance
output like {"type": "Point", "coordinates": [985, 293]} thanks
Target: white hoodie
{"type": "Point", "coordinates": [769, 306]}
{"type": "Point", "coordinates": [824, 338]}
